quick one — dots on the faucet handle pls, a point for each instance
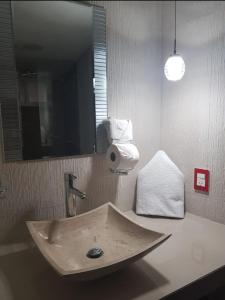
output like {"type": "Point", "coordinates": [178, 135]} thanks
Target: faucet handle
{"type": "Point", "coordinates": [69, 177]}
{"type": "Point", "coordinates": [72, 177]}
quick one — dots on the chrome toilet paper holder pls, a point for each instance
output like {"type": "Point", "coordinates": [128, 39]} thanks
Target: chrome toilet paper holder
{"type": "Point", "coordinates": [119, 172]}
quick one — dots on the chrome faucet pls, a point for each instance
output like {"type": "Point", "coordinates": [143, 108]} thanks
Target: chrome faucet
{"type": "Point", "coordinates": [71, 193]}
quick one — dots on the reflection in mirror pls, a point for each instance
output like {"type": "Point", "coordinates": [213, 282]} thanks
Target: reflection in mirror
{"type": "Point", "coordinates": [55, 70]}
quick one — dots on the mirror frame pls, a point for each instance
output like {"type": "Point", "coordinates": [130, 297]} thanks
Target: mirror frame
{"type": "Point", "coordinates": [11, 134]}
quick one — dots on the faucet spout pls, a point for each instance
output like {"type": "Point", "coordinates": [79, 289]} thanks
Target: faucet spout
{"type": "Point", "coordinates": [78, 193]}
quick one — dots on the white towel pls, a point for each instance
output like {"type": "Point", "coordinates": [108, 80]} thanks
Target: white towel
{"type": "Point", "coordinates": [119, 131]}
{"type": "Point", "coordinates": [160, 188]}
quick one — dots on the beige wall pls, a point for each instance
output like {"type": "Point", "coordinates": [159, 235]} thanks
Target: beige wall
{"type": "Point", "coordinates": [192, 115]}
{"type": "Point", "coordinates": [193, 110]}
{"type": "Point", "coordinates": [36, 189]}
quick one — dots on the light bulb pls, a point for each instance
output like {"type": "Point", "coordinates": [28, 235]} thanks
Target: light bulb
{"type": "Point", "coordinates": [174, 67]}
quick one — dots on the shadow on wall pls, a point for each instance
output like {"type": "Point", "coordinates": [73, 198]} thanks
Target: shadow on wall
{"type": "Point", "coordinates": [26, 275]}
{"type": "Point", "coordinates": [17, 231]}
{"type": "Point", "coordinates": [135, 193]}
{"type": "Point", "coordinates": [102, 185]}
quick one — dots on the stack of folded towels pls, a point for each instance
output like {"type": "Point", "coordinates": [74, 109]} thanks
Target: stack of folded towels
{"type": "Point", "coordinates": [160, 188]}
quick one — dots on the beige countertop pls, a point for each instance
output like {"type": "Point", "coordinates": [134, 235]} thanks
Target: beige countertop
{"type": "Point", "coordinates": [195, 249]}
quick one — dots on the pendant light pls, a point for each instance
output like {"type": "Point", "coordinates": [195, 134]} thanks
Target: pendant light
{"type": "Point", "coordinates": [174, 68]}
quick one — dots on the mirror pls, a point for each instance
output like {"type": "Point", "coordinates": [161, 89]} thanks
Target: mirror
{"type": "Point", "coordinates": [60, 65]}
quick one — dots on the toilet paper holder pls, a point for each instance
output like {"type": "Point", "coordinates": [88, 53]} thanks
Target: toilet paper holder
{"type": "Point", "coordinates": [119, 172]}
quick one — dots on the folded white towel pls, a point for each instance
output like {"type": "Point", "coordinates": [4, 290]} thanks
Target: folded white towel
{"type": "Point", "coordinates": [119, 131]}
{"type": "Point", "coordinates": [160, 188]}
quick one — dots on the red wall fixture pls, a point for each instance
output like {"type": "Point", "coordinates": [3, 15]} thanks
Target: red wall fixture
{"type": "Point", "coordinates": [201, 180]}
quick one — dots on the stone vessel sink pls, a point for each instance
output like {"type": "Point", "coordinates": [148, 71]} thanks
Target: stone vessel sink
{"type": "Point", "coordinates": [66, 243]}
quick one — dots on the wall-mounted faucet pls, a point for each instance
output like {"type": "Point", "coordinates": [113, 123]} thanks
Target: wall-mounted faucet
{"type": "Point", "coordinates": [71, 193]}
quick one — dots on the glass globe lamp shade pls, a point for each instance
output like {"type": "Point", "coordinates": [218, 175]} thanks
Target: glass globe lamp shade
{"type": "Point", "coordinates": [174, 68]}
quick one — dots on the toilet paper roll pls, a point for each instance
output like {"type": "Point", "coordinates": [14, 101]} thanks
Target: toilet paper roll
{"type": "Point", "coordinates": [122, 157]}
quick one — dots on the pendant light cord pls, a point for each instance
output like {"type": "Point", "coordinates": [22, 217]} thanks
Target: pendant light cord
{"type": "Point", "coordinates": [175, 29]}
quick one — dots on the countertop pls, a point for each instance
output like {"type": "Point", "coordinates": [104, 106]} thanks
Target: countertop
{"type": "Point", "coordinates": [195, 250]}
{"type": "Point", "coordinates": [186, 266]}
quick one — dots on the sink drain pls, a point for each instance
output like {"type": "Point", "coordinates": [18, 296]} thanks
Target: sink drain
{"type": "Point", "coordinates": [95, 253]}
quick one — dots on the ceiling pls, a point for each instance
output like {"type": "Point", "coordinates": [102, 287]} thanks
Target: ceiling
{"type": "Point", "coordinates": [52, 30]}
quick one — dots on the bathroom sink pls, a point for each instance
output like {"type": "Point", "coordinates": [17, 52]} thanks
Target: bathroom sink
{"type": "Point", "coordinates": [93, 244]}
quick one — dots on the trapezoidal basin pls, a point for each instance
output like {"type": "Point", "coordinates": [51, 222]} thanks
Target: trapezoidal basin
{"type": "Point", "coordinates": [93, 244]}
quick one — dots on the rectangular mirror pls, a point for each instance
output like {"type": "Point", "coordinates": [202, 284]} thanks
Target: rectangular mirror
{"type": "Point", "coordinates": [60, 63]}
